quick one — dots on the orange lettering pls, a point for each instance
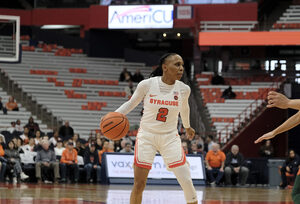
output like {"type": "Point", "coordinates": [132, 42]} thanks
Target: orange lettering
{"type": "Point", "coordinates": [158, 102]}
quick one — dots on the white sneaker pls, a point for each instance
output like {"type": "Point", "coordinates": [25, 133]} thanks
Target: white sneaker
{"type": "Point", "coordinates": [24, 176]}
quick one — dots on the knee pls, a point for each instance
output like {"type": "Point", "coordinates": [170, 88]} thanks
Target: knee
{"type": "Point", "coordinates": [139, 185]}
{"type": "Point", "coordinates": [227, 170]}
{"type": "Point", "coordinates": [244, 170]}
{"type": "Point", "coordinates": [38, 164]}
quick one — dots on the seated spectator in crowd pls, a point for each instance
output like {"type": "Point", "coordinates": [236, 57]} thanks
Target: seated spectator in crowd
{"type": "Point", "coordinates": [75, 139]}
{"type": "Point", "coordinates": [38, 137]}
{"type": "Point", "coordinates": [66, 131]}
{"type": "Point", "coordinates": [59, 148]}
{"type": "Point", "coordinates": [3, 108]}
{"type": "Point", "coordinates": [125, 75]}
{"type": "Point", "coordinates": [53, 140]}
{"type": "Point", "coordinates": [80, 148]}
{"type": "Point", "coordinates": [19, 145]}
{"type": "Point", "coordinates": [13, 161]}
{"type": "Point", "coordinates": [208, 143]}
{"type": "Point", "coordinates": [185, 147]}
{"type": "Point", "coordinates": [69, 163]}
{"type": "Point", "coordinates": [129, 90]}
{"type": "Point", "coordinates": [196, 148]}
{"type": "Point", "coordinates": [234, 167]}
{"type": "Point", "coordinates": [32, 126]}
{"type": "Point", "coordinates": [91, 163]}
{"type": "Point", "coordinates": [267, 149]}
{"type": "Point", "coordinates": [137, 77]}
{"type": "Point", "coordinates": [111, 146]}
{"type": "Point", "coordinates": [2, 141]}
{"type": "Point", "coordinates": [215, 160]}
{"type": "Point", "coordinates": [3, 162]}
{"type": "Point", "coordinates": [228, 93]}
{"type": "Point", "coordinates": [12, 128]}
{"type": "Point", "coordinates": [291, 166]}
{"type": "Point", "coordinates": [105, 148]}
{"type": "Point", "coordinates": [118, 146]}
{"type": "Point", "coordinates": [11, 105]}
{"type": "Point", "coordinates": [127, 149]}
{"type": "Point", "coordinates": [217, 79]}
{"type": "Point", "coordinates": [46, 159]}
{"type": "Point", "coordinates": [25, 135]}
{"type": "Point", "coordinates": [19, 128]}
{"type": "Point", "coordinates": [98, 144]}
{"type": "Point", "coordinates": [30, 147]}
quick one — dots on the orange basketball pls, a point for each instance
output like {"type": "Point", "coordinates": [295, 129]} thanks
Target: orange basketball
{"type": "Point", "coordinates": [114, 125]}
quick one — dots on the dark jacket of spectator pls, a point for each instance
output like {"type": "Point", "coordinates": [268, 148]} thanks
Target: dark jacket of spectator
{"type": "Point", "coordinates": [217, 80]}
{"type": "Point", "coordinates": [228, 93]}
{"type": "Point", "coordinates": [234, 160]}
{"type": "Point", "coordinates": [32, 126]}
{"type": "Point", "coordinates": [12, 154]}
{"type": "Point", "coordinates": [292, 162]}
{"type": "Point", "coordinates": [125, 75]}
{"type": "Point", "coordinates": [91, 157]}
{"type": "Point", "coordinates": [66, 131]}
{"type": "Point", "coordinates": [267, 149]}
{"type": "Point", "coordinates": [45, 156]}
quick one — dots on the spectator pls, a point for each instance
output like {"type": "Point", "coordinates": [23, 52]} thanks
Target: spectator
{"type": "Point", "coordinates": [53, 140]}
{"type": "Point", "coordinates": [118, 145]}
{"type": "Point", "coordinates": [25, 135]}
{"type": "Point", "coordinates": [69, 163]}
{"type": "Point", "coordinates": [30, 147]}
{"type": "Point", "coordinates": [59, 148]}
{"type": "Point", "coordinates": [66, 131]}
{"type": "Point", "coordinates": [2, 141]}
{"type": "Point", "coordinates": [267, 149]}
{"type": "Point", "coordinates": [80, 149]}
{"type": "Point", "coordinates": [228, 93]}
{"type": "Point", "coordinates": [13, 161]}
{"type": "Point", "coordinates": [217, 79]}
{"type": "Point", "coordinates": [185, 147]}
{"type": "Point", "coordinates": [75, 139]}
{"type": "Point", "coordinates": [208, 143]}
{"type": "Point", "coordinates": [234, 167]}
{"type": "Point", "coordinates": [91, 163]}
{"type": "Point", "coordinates": [32, 126]}
{"type": "Point", "coordinates": [11, 105]}
{"type": "Point", "coordinates": [111, 146]}
{"type": "Point", "coordinates": [196, 148]}
{"type": "Point", "coordinates": [105, 148]}
{"type": "Point", "coordinates": [3, 164]}
{"type": "Point", "coordinates": [2, 107]}
{"type": "Point", "coordinates": [137, 77]}
{"type": "Point", "coordinates": [46, 159]}
{"type": "Point", "coordinates": [98, 144]}
{"type": "Point", "coordinates": [19, 128]}
{"type": "Point", "coordinates": [290, 166]}
{"type": "Point", "coordinates": [127, 149]}
{"type": "Point", "coordinates": [125, 75]}
{"type": "Point", "coordinates": [129, 89]}
{"type": "Point", "coordinates": [38, 137]}
{"type": "Point", "coordinates": [215, 160]}
{"type": "Point", "coordinates": [12, 128]}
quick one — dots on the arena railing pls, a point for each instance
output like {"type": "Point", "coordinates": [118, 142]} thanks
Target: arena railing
{"type": "Point", "coordinates": [247, 115]}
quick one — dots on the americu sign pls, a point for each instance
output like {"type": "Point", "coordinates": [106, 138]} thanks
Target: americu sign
{"type": "Point", "coordinates": [140, 17]}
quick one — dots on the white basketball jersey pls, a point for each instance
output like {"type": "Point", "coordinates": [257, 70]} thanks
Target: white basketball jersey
{"type": "Point", "coordinates": [161, 110]}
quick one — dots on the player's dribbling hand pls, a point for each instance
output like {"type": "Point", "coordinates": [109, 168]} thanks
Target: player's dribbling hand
{"type": "Point", "coordinates": [266, 136]}
{"type": "Point", "coordinates": [190, 132]}
{"type": "Point", "coordinates": [278, 100]}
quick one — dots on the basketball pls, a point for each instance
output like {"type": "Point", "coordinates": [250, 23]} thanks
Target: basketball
{"type": "Point", "coordinates": [114, 125]}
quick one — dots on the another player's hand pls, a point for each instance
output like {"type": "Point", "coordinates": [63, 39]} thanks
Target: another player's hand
{"type": "Point", "coordinates": [266, 136]}
{"type": "Point", "coordinates": [278, 100]}
{"type": "Point", "coordinates": [190, 132]}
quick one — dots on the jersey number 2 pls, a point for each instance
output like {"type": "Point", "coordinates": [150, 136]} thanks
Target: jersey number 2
{"type": "Point", "coordinates": [162, 114]}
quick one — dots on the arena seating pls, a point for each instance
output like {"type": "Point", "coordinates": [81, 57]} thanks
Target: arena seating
{"type": "Point", "coordinates": [232, 111]}
{"type": "Point", "coordinates": [23, 115]}
{"type": "Point", "coordinates": [213, 26]}
{"type": "Point", "coordinates": [290, 19]}
{"type": "Point", "coordinates": [69, 86]}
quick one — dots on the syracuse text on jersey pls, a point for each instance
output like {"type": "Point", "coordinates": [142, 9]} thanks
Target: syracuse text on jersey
{"type": "Point", "coordinates": [163, 102]}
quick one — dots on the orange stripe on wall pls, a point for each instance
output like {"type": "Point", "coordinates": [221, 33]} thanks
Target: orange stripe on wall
{"type": "Point", "coordinates": [248, 38]}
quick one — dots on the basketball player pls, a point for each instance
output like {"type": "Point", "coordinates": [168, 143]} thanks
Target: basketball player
{"type": "Point", "coordinates": [280, 101]}
{"type": "Point", "coordinates": [164, 98]}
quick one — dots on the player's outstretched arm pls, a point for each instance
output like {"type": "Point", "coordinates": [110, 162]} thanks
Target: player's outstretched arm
{"type": "Point", "coordinates": [287, 125]}
{"type": "Point", "coordinates": [136, 98]}
{"type": "Point", "coordinates": [279, 100]}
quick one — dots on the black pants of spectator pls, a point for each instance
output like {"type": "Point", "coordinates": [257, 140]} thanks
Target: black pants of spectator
{"type": "Point", "coordinates": [70, 170]}
{"type": "Point", "coordinates": [215, 171]}
{"type": "Point", "coordinates": [283, 176]}
{"type": "Point", "coordinates": [4, 110]}
{"type": "Point", "coordinates": [230, 173]}
{"type": "Point", "coordinates": [2, 171]}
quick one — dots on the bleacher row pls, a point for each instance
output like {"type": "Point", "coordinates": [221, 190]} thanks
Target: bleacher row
{"type": "Point", "coordinates": [83, 81]}
{"type": "Point", "coordinates": [290, 19]}
{"type": "Point", "coordinates": [224, 111]}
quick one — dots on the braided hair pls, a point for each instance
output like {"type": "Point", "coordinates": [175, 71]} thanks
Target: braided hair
{"type": "Point", "coordinates": [159, 71]}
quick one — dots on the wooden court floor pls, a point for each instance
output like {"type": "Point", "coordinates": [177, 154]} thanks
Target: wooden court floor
{"type": "Point", "coordinates": [119, 194]}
